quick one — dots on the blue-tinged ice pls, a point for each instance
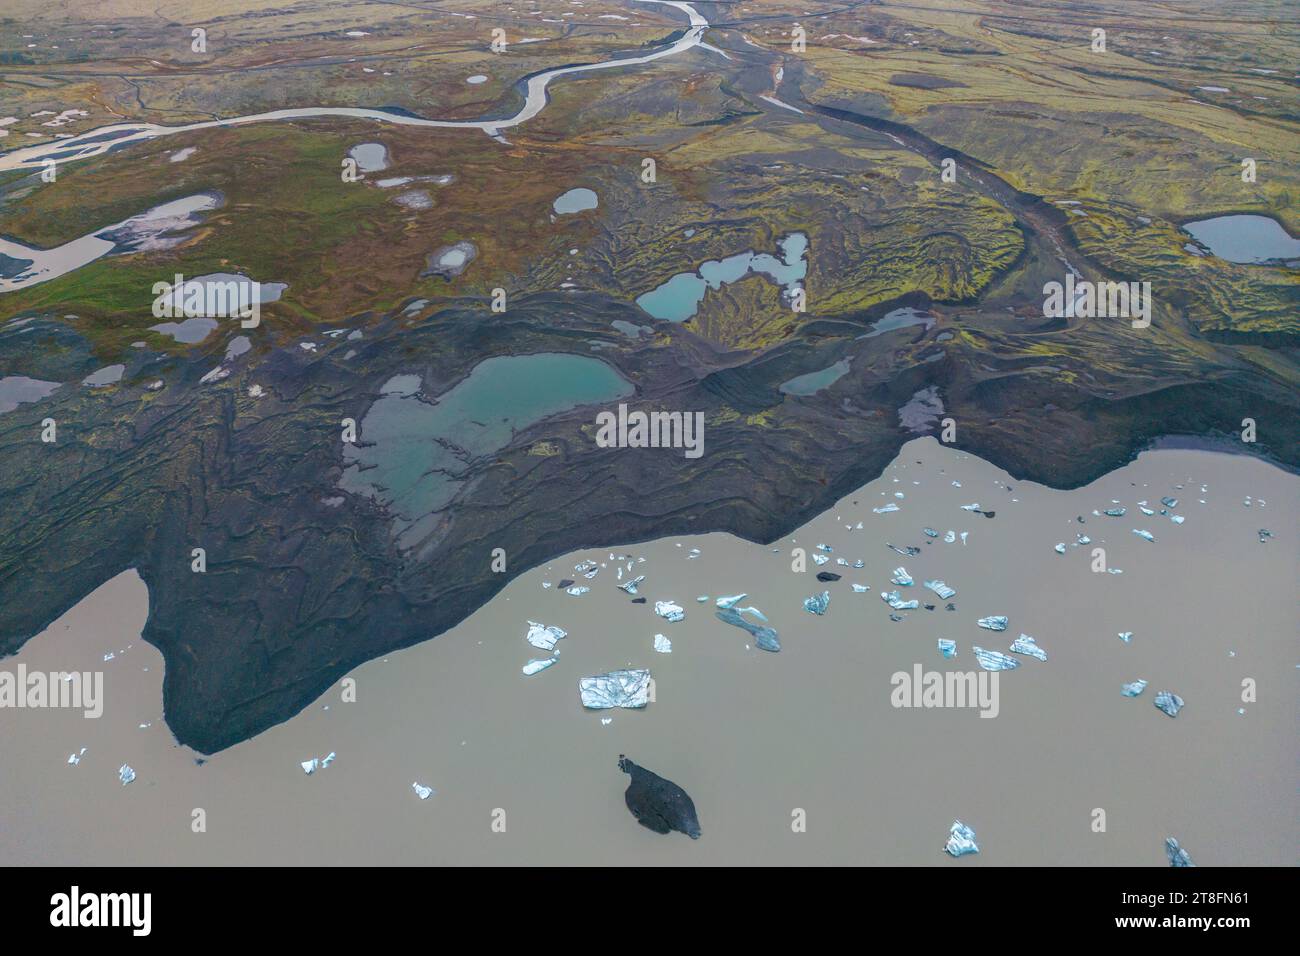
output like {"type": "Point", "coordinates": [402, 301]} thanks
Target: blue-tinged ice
{"type": "Point", "coordinates": [861, 588]}
{"type": "Point", "coordinates": [423, 792]}
{"type": "Point", "coordinates": [941, 589]}
{"type": "Point", "coordinates": [971, 507]}
{"type": "Point", "coordinates": [820, 559]}
{"type": "Point", "coordinates": [1126, 637]}
{"type": "Point", "coordinates": [994, 660]}
{"type": "Point", "coordinates": [1143, 533]}
{"type": "Point", "coordinates": [930, 532]}
{"type": "Point", "coordinates": [1134, 689]}
{"type": "Point", "coordinates": [730, 600]}
{"type": "Point", "coordinates": [537, 665]}
{"type": "Point", "coordinates": [961, 840]}
{"type": "Point", "coordinates": [1177, 855]}
{"type": "Point", "coordinates": [126, 774]}
{"type": "Point", "coordinates": [818, 603]}
{"type": "Point", "coordinates": [895, 600]}
{"type": "Point", "coordinates": [1060, 548]}
{"type": "Point", "coordinates": [1169, 703]}
{"type": "Point", "coordinates": [631, 586]}
{"type": "Point", "coordinates": [1026, 645]}
{"type": "Point", "coordinates": [1177, 519]}
{"type": "Point", "coordinates": [947, 648]}
{"type": "Point", "coordinates": [1169, 502]}
{"type": "Point", "coordinates": [1115, 512]}
{"type": "Point", "coordinates": [1146, 511]}
{"type": "Point", "coordinates": [995, 623]}
{"type": "Point", "coordinates": [887, 509]}
{"type": "Point", "coordinates": [670, 611]}
{"type": "Point", "coordinates": [902, 577]}
{"type": "Point", "coordinates": [544, 636]}
{"type": "Point", "coordinates": [663, 645]}
{"type": "Point", "coordinates": [577, 590]}
{"type": "Point", "coordinates": [627, 688]}
{"type": "Point", "coordinates": [824, 547]}
{"type": "Point", "coordinates": [765, 637]}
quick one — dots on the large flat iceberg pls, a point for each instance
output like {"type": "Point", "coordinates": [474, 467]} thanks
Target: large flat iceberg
{"type": "Point", "coordinates": [629, 688]}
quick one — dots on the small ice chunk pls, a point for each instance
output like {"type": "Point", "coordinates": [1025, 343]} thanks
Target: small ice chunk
{"type": "Point", "coordinates": [895, 600]}
{"type": "Point", "coordinates": [1060, 548]}
{"type": "Point", "coordinates": [765, 637]}
{"type": "Point", "coordinates": [901, 577]}
{"type": "Point", "coordinates": [994, 623]}
{"type": "Point", "coordinates": [1169, 703]}
{"type": "Point", "coordinates": [626, 688]}
{"type": "Point", "coordinates": [1024, 644]}
{"type": "Point", "coordinates": [861, 588]}
{"type": "Point", "coordinates": [424, 793]}
{"type": "Point", "coordinates": [1143, 533]}
{"type": "Point", "coordinates": [818, 603]}
{"type": "Point", "coordinates": [824, 547]}
{"type": "Point", "coordinates": [887, 509]}
{"type": "Point", "coordinates": [820, 559]}
{"type": "Point", "coordinates": [994, 660]}
{"type": "Point", "coordinates": [669, 611]}
{"type": "Point", "coordinates": [947, 648]}
{"type": "Point", "coordinates": [1126, 636]}
{"type": "Point", "coordinates": [1177, 519]}
{"type": "Point", "coordinates": [125, 774]}
{"type": "Point", "coordinates": [544, 636]}
{"type": "Point", "coordinates": [1134, 689]}
{"type": "Point", "coordinates": [940, 588]}
{"type": "Point", "coordinates": [971, 507]}
{"type": "Point", "coordinates": [1169, 502]}
{"type": "Point", "coordinates": [663, 645]}
{"type": "Point", "coordinates": [537, 665]}
{"type": "Point", "coordinates": [1177, 855]}
{"type": "Point", "coordinates": [1115, 512]}
{"type": "Point", "coordinates": [961, 840]}
{"type": "Point", "coordinates": [631, 586]}
{"type": "Point", "coordinates": [577, 590]}
{"type": "Point", "coordinates": [930, 532]}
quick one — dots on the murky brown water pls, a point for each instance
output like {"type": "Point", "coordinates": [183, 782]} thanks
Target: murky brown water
{"type": "Point", "coordinates": [749, 734]}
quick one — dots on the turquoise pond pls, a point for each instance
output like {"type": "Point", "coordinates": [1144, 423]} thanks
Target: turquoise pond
{"type": "Point", "coordinates": [414, 450]}
{"type": "Point", "coordinates": [678, 299]}
{"type": "Point", "coordinates": [1245, 239]}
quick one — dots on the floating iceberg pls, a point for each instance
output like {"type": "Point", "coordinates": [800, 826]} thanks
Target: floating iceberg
{"type": "Point", "coordinates": [887, 509]}
{"type": "Point", "coordinates": [995, 623]}
{"type": "Point", "coordinates": [730, 600]}
{"type": "Point", "coordinates": [765, 637]}
{"type": "Point", "coordinates": [961, 840]}
{"type": "Point", "coordinates": [818, 603]}
{"type": "Point", "coordinates": [1177, 855]}
{"type": "Point", "coordinates": [824, 547]}
{"type": "Point", "coordinates": [971, 507]}
{"type": "Point", "coordinates": [424, 793]}
{"type": "Point", "coordinates": [1169, 502]}
{"type": "Point", "coordinates": [1169, 703]}
{"type": "Point", "coordinates": [577, 590]}
{"type": "Point", "coordinates": [544, 636]}
{"type": "Point", "coordinates": [820, 559]}
{"type": "Point", "coordinates": [629, 688]}
{"type": "Point", "coordinates": [941, 589]}
{"type": "Point", "coordinates": [537, 665]}
{"type": "Point", "coordinates": [663, 645]}
{"type": "Point", "coordinates": [1115, 512]}
{"type": "Point", "coordinates": [631, 586]}
{"type": "Point", "coordinates": [902, 577]}
{"type": "Point", "coordinates": [1143, 533]}
{"type": "Point", "coordinates": [947, 648]}
{"type": "Point", "coordinates": [670, 611]}
{"type": "Point", "coordinates": [125, 774]}
{"type": "Point", "coordinates": [1126, 637]}
{"type": "Point", "coordinates": [1027, 646]}
{"type": "Point", "coordinates": [861, 588]}
{"type": "Point", "coordinates": [895, 600]}
{"type": "Point", "coordinates": [317, 763]}
{"type": "Point", "coordinates": [930, 532]}
{"type": "Point", "coordinates": [1133, 689]}
{"type": "Point", "coordinates": [1060, 548]}
{"type": "Point", "coordinates": [994, 660]}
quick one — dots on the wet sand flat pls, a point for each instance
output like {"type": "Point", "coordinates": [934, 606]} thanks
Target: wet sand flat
{"type": "Point", "coordinates": [754, 736]}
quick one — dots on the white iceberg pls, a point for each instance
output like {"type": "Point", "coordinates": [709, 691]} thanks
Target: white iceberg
{"type": "Point", "coordinates": [994, 660]}
{"type": "Point", "coordinates": [424, 793]}
{"type": "Point", "coordinates": [125, 774]}
{"type": "Point", "coordinates": [940, 588]}
{"type": "Point", "coordinates": [669, 611]}
{"type": "Point", "coordinates": [663, 645]}
{"type": "Point", "coordinates": [537, 665]}
{"type": "Point", "coordinates": [544, 636]}
{"type": "Point", "coordinates": [997, 622]}
{"type": "Point", "coordinates": [1027, 646]}
{"type": "Point", "coordinates": [627, 688]}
